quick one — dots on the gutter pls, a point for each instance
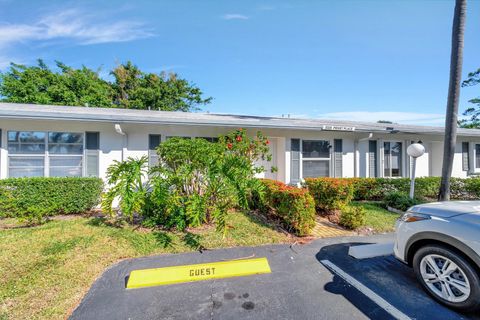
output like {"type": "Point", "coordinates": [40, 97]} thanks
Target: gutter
{"type": "Point", "coordinates": [223, 124]}
{"type": "Point", "coordinates": [119, 130]}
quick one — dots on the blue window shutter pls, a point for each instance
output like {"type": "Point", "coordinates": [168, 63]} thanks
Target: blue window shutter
{"type": "Point", "coordinates": [465, 158]}
{"type": "Point", "coordinates": [294, 160]}
{"type": "Point", "coordinates": [372, 158]}
{"type": "Point", "coordinates": [337, 157]}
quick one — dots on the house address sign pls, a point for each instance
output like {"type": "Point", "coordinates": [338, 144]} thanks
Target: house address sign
{"type": "Point", "coordinates": [338, 128]}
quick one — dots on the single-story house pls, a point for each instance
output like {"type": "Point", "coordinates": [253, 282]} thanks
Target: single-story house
{"type": "Point", "coordinates": [44, 140]}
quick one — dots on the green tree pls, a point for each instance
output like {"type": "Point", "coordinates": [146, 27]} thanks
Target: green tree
{"type": "Point", "coordinates": [472, 112]}
{"type": "Point", "coordinates": [135, 89]}
{"type": "Point", "coordinates": [131, 88]}
{"type": "Point", "coordinates": [40, 85]}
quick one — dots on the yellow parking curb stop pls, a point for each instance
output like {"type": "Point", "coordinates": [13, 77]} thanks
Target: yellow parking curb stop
{"type": "Point", "coordinates": [197, 272]}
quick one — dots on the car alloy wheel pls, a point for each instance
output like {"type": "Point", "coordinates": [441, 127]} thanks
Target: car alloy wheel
{"type": "Point", "coordinates": [445, 278]}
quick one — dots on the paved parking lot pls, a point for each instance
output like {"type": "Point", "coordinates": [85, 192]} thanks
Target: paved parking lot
{"type": "Point", "coordinates": [299, 287]}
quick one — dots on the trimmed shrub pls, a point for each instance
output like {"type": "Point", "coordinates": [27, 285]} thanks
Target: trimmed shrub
{"type": "Point", "coordinates": [34, 199]}
{"type": "Point", "coordinates": [294, 207]}
{"type": "Point", "coordinates": [400, 201]}
{"type": "Point", "coordinates": [472, 186]}
{"type": "Point", "coordinates": [330, 194]}
{"type": "Point", "coordinates": [353, 217]}
{"type": "Point", "coordinates": [364, 188]}
{"type": "Point", "coordinates": [425, 187]}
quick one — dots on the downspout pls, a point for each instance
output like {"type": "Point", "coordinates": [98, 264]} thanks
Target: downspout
{"type": "Point", "coordinates": [119, 130]}
{"type": "Point", "coordinates": [356, 155]}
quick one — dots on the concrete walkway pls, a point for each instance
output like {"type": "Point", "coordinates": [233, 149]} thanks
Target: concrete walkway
{"type": "Point", "coordinates": [325, 229]}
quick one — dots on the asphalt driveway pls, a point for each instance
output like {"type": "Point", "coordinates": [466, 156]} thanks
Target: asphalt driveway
{"type": "Point", "coordinates": [299, 287]}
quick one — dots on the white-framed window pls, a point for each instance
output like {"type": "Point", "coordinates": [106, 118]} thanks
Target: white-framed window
{"type": "Point", "coordinates": [50, 154]}
{"type": "Point", "coordinates": [476, 156]}
{"type": "Point", "coordinates": [392, 159]}
{"type": "Point", "coordinates": [316, 158]}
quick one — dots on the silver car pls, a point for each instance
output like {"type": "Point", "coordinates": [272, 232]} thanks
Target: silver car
{"type": "Point", "coordinates": [441, 241]}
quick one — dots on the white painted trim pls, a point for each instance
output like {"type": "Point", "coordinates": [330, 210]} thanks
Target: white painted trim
{"type": "Point", "coordinates": [473, 153]}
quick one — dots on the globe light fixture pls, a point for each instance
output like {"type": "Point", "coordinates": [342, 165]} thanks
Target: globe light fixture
{"type": "Point", "coordinates": [414, 150]}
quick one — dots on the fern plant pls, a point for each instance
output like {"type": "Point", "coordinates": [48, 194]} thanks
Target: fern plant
{"type": "Point", "coordinates": [126, 183]}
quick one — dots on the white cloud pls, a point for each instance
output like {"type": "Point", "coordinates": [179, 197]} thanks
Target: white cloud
{"type": "Point", "coordinates": [73, 25]}
{"type": "Point", "coordinates": [234, 16]}
{"type": "Point", "coordinates": [437, 119]}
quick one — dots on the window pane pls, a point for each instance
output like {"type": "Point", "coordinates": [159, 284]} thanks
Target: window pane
{"type": "Point", "coordinates": [26, 162]}
{"type": "Point", "coordinates": [392, 159]}
{"type": "Point", "coordinates": [295, 144]}
{"type": "Point", "coordinates": [386, 159]}
{"type": "Point", "coordinates": [65, 171]}
{"type": "Point", "coordinates": [316, 168]}
{"type": "Point", "coordinates": [65, 137]}
{"type": "Point", "coordinates": [92, 163]}
{"type": "Point", "coordinates": [65, 161]}
{"type": "Point", "coordinates": [65, 148]}
{"type": "Point", "coordinates": [396, 161]}
{"type": "Point", "coordinates": [153, 159]}
{"type": "Point", "coordinates": [65, 166]}
{"type": "Point", "coordinates": [27, 148]}
{"type": "Point", "coordinates": [477, 156]}
{"type": "Point", "coordinates": [26, 167]}
{"type": "Point", "coordinates": [26, 136]}
{"type": "Point", "coordinates": [92, 140]}
{"type": "Point", "coordinates": [25, 172]}
{"type": "Point", "coordinates": [154, 141]}
{"type": "Point", "coordinates": [26, 142]}
{"type": "Point", "coordinates": [210, 139]}
{"type": "Point", "coordinates": [316, 149]}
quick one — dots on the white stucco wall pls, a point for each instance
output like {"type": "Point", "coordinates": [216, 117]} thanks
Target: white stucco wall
{"type": "Point", "coordinates": [423, 162]}
{"type": "Point", "coordinates": [436, 158]}
{"type": "Point", "coordinates": [111, 144]}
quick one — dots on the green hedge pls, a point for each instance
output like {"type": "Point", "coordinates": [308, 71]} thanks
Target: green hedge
{"type": "Point", "coordinates": [425, 187]}
{"type": "Point", "coordinates": [334, 194]}
{"type": "Point", "coordinates": [295, 207]}
{"type": "Point", "coordinates": [33, 199]}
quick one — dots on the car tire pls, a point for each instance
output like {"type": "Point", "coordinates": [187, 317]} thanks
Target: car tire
{"type": "Point", "coordinates": [459, 289]}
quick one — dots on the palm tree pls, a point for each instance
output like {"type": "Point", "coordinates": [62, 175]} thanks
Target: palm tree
{"type": "Point", "coordinates": [456, 60]}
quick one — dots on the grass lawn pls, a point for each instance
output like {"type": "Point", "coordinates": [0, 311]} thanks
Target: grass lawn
{"type": "Point", "coordinates": [46, 270]}
{"type": "Point", "coordinates": [378, 218]}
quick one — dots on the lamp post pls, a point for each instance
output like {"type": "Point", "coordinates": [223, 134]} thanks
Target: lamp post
{"type": "Point", "coordinates": [414, 150]}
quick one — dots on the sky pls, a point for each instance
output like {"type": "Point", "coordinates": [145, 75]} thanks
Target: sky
{"type": "Point", "coordinates": [352, 60]}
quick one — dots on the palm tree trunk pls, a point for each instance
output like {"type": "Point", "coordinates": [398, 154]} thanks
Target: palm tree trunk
{"type": "Point", "coordinates": [456, 60]}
